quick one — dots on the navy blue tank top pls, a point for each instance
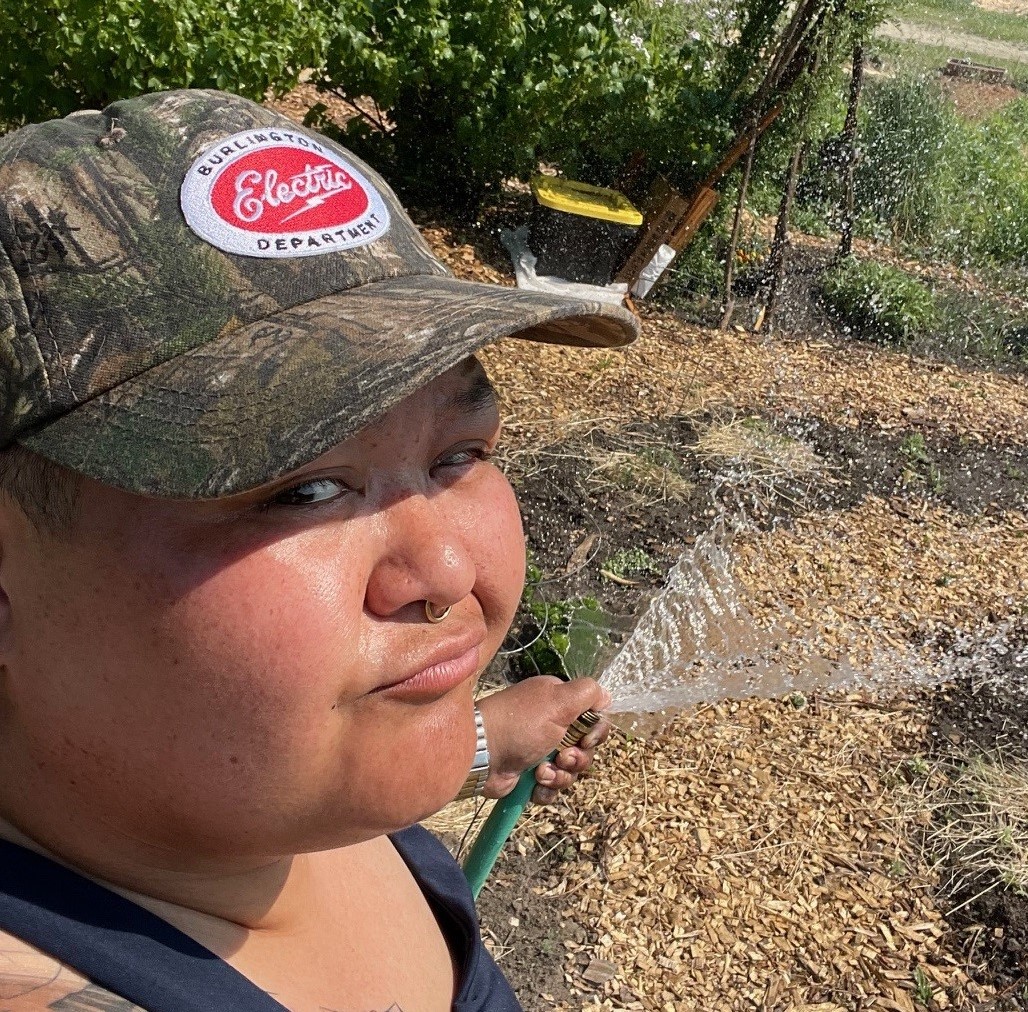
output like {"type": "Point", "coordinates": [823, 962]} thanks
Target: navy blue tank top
{"type": "Point", "coordinates": [137, 955]}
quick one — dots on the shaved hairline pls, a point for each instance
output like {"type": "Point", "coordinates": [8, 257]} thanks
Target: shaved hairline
{"type": "Point", "coordinates": [44, 491]}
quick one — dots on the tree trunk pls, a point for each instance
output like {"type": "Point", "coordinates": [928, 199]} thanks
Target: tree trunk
{"type": "Point", "coordinates": [849, 151]}
{"type": "Point", "coordinates": [729, 301]}
{"type": "Point", "coordinates": [776, 261]}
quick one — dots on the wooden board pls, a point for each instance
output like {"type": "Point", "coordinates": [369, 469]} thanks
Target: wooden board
{"type": "Point", "coordinates": [664, 209]}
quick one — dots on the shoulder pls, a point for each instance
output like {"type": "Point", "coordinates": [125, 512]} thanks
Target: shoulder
{"type": "Point", "coordinates": [32, 981]}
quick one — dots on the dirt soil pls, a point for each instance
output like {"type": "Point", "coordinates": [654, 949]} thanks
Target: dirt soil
{"type": "Point", "coordinates": [976, 100]}
{"type": "Point", "coordinates": [1004, 6]}
{"type": "Point", "coordinates": [961, 43]}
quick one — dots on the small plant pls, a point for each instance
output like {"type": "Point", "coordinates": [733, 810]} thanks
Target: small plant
{"type": "Point", "coordinates": [922, 468]}
{"type": "Point", "coordinates": [923, 990]}
{"type": "Point", "coordinates": [878, 300]}
{"type": "Point", "coordinates": [915, 448]}
{"type": "Point", "coordinates": [563, 637]}
{"type": "Point", "coordinates": [631, 562]}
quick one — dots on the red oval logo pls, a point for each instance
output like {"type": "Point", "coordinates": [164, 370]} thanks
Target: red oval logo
{"type": "Point", "coordinates": [285, 189]}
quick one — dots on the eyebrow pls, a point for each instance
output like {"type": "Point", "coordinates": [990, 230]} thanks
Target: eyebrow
{"type": "Point", "coordinates": [474, 398]}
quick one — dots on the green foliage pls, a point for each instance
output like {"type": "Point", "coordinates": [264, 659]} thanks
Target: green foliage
{"type": "Point", "coordinates": [470, 92]}
{"type": "Point", "coordinates": [878, 300]}
{"type": "Point", "coordinates": [915, 448]}
{"type": "Point", "coordinates": [475, 90]}
{"type": "Point", "coordinates": [479, 91]}
{"type": "Point", "coordinates": [987, 191]}
{"type": "Point", "coordinates": [979, 325]}
{"type": "Point", "coordinates": [921, 467]}
{"type": "Point", "coordinates": [957, 189]}
{"type": "Point", "coordinates": [563, 638]}
{"type": "Point", "coordinates": [924, 992]}
{"type": "Point", "coordinates": [908, 123]}
{"type": "Point", "coordinates": [70, 54]}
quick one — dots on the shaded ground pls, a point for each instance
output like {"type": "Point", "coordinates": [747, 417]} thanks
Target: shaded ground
{"type": "Point", "coordinates": [987, 712]}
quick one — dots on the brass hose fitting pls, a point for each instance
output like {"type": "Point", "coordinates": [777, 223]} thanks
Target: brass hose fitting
{"type": "Point", "coordinates": [579, 728]}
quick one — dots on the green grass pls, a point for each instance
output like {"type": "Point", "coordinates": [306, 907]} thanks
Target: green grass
{"type": "Point", "coordinates": [913, 57]}
{"type": "Point", "coordinates": [965, 16]}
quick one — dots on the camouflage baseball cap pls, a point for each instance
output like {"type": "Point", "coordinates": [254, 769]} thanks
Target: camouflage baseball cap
{"type": "Point", "coordinates": [197, 296]}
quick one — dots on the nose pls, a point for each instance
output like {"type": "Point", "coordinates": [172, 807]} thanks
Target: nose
{"type": "Point", "coordinates": [424, 557]}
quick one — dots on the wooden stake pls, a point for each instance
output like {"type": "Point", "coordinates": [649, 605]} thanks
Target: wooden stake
{"type": "Point", "coordinates": [729, 302]}
{"type": "Point", "coordinates": [776, 261]}
{"type": "Point", "coordinates": [849, 147]}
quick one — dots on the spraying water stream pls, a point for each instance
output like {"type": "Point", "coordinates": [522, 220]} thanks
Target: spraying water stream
{"type": "Point", "coordinates": [705, 637]}
{"type": "Point", "coordinates": [699, 642]}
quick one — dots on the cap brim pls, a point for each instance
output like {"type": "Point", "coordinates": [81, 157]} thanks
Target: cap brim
{"type": "Point", "coordinates": [266, 398]}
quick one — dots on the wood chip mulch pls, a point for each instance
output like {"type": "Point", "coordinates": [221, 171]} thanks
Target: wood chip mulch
{"type": "Point", "coordinates": [887, 572]}
{"type": "Point", "coordinates": [751, 857]}
{"type": "Point", "coordinates": [676, 368]}
{"type": "Point", "coordinates": [756, 854]}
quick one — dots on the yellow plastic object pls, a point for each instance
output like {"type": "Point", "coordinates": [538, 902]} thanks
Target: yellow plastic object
{"type": "Point", "coordinates": [589, 201]}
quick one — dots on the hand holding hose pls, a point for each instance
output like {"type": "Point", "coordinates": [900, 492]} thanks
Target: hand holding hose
{"type": "Point", "coordinates": [526, 722]}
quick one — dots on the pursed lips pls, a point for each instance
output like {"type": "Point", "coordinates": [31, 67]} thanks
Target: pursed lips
{"type": "Point", "coordinates": [452, 661]}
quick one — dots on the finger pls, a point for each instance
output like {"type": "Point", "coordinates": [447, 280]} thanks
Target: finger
{"type": "Point", "coordinates": [548, 775]}
{"type": "Point", "coordinates": [573, 760]}
{"type": "Point", "coordinates": [579, 695]}
{"type": "Point", "coordinates": [596, 736]}
{"type": "Point", "coordinates": [543, 795]}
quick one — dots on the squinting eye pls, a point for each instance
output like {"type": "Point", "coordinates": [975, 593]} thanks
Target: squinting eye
{"type": "Point", "coordinates": [310, 492]}
{"type": "Point", "coordinates": [459, 458]}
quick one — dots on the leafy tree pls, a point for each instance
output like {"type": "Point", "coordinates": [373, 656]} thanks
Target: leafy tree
{"type": "Point", "coordinates": [475, 90]}
{"type": "Point", "coordinates": [72, 54]}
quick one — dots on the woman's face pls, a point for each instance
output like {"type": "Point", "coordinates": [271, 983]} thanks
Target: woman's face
{"type": "Point", "coordinates": [256, 675]}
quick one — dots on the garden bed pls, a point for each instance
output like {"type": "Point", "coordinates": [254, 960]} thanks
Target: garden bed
{"type": "Point", "coordinates": [760, 854]}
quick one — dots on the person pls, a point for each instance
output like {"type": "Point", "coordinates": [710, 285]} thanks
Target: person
{"type": "Point", "coordinates": [253, 559]}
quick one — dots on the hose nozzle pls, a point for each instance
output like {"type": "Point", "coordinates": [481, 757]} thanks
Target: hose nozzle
{"type": "Point", "coordinates": [579, 728]}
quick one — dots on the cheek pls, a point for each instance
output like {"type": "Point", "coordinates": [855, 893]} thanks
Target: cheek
{"type": "Point", "coordinates": [279, 624]}
{"type": "Point", "coordinates": [499, 545]}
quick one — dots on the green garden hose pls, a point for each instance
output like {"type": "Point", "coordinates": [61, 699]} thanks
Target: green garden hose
{"type": "Point", "coordinates": [505, 814]}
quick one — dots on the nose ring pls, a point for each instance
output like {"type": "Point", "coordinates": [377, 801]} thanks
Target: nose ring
{"type": "Point", "coordinates": [436, 616]}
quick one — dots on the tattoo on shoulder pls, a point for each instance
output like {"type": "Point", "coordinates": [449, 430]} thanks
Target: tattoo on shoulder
{"type": "Point", "coordinates": [93, 998]}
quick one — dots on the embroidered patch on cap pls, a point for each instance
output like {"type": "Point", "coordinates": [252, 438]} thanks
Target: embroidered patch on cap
{"type": "Point", "coordinates": [280, 193]}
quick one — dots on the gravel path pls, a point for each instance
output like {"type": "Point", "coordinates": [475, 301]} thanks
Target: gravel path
{"type": "Point", "coordinates": [961, 43]}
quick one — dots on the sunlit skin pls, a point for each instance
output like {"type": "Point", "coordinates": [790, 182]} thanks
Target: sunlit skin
{"type": "Point", "coordinates": [201, 691]}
